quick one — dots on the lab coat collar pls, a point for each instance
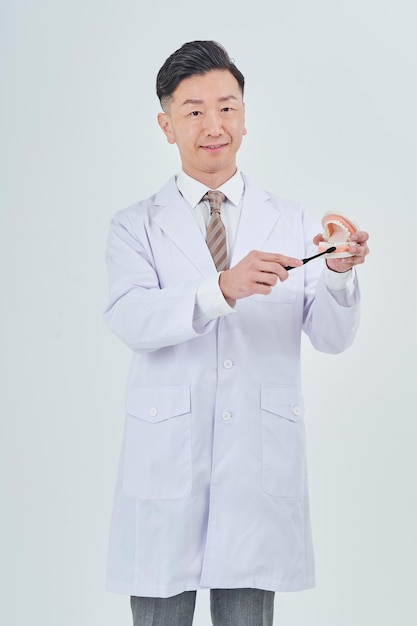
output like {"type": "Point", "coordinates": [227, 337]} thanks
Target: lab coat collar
{"type": "Point", "coordinates": [177, 221]}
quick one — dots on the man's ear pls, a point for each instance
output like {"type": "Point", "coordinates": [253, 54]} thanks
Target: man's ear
{"type": "Point", "coordinates": [244, 120]}
{"type": "Point", "coordinates": [164, 122]}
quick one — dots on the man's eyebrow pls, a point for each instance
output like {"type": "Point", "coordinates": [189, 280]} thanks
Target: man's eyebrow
{"type": "Point", "coordinates": [226, 98]}
{"type": "Point", "coordinates": [198, 101]}
{"type": "Point", "coordinates": [192, 101]}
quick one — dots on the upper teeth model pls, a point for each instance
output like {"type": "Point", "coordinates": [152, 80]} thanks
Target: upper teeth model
{"type": "Point", "coordinates": [337, 232]}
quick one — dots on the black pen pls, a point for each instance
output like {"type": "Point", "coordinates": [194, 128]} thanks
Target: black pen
{"type": "Point", "coordinates": [328, 251]}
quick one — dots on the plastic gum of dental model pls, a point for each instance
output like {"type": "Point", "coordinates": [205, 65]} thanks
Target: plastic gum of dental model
{"type": "Point", "coordinates": [337, 230]}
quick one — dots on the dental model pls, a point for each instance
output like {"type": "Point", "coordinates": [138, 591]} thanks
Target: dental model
{"type": "Point", "coordinates": [337, 232]}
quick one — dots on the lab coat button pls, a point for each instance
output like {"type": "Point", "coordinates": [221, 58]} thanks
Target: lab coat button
{"type": "Point", "coordinates": [228, 364]}
{"type": "Point", "coordinates": [153, 411]}
{"type": "Point", "coordinates": [297, 410]}
{"type": "Point", "coordinates": [226, 416]}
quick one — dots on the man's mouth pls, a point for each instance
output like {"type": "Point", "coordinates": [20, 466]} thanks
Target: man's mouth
{"type": "Point", "coordinates": [213, 147]}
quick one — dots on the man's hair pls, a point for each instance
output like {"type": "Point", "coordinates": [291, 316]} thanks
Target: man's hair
{"type": "Point", "coordinates": [194, 57]}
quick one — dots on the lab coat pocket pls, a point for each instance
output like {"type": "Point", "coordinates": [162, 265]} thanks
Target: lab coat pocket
{"type": "Point", "coordinates": [157, 464]}
{"type": "Point", "coordinates": [283, 439]}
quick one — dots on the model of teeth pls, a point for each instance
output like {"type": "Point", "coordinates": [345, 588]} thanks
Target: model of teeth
{"type": "Point", "coordinates": [337, 232]}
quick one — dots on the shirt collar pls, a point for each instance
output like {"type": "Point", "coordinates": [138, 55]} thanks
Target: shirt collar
{"type": "Point", "coordinates": [192, 190]}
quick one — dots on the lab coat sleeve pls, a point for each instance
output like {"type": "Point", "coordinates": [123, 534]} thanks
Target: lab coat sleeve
{"type": "Point", "coordinates": [331, 315]}
{"type": "Point", "coordinates": [142, 314]}
{"type": "Point", "coordinates": [331, 326]}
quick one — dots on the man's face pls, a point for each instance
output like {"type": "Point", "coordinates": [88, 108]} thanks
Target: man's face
{"type": "Point", "coordinates": [206, 119]}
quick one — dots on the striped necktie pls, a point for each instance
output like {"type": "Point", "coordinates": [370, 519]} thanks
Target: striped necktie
{"type": "Point", "coordinates": [216, 232]}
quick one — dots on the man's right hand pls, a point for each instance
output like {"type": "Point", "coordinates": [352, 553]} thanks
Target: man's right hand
{"type": "Point", "coordinates": [256, 273]}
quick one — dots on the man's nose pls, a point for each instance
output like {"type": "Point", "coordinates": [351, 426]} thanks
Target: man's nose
{"type": "Point", "coordinates": [213, 124]}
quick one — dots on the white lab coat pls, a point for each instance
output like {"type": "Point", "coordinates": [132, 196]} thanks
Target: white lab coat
{"type": "Point", "coordinates": [212, 488]}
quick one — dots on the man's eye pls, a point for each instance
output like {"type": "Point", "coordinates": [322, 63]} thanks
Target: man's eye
{"type": "Point", "coordinates": [227, 109]}
{"type": "Point", "coordinates": [195, 113]}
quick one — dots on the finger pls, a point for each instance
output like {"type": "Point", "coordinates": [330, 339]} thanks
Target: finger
{"type": "Point", "coordinates": [357, 259]}
{"type": "Point", "coordinates": [266, 278]}
{"type": "Point", "coordinates": [280, 259]}
{"type": "Point", "coordinates": [355, 249]}
{"type": "Point", "coordinates": [360, 236]}
{"type": "Point", "coordinates": [317, 239]}
{"type": "Point", "coordinates": [278, 269]}
{"type": "Point", "coordinates": [291, 261]}
{"type": "Point", "coordinates": [359, 250]}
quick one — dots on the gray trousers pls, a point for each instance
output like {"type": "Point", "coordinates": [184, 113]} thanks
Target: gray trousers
{"type": "Point", "coordinates": [229, 607]}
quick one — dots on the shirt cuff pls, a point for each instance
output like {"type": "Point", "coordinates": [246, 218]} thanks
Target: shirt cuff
{"type": "Point", "coordinates": [210, 302]}
{"type": "Point", "coordinates": [338, 281]}
{"type": "Point", "coordinates": [342, 285]}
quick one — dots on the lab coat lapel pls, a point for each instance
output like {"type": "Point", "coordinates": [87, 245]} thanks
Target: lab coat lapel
{"type": "Point", "coordinates": [257, 220]}
{"type": "Point", "coordinates": [175, 218]}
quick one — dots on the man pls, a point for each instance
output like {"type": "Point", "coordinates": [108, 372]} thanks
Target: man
{"type": "Point", "coordinates": [211, 490]}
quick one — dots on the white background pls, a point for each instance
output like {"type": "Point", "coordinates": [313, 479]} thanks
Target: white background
{"type": "Point", "coordinates": [331, 107]}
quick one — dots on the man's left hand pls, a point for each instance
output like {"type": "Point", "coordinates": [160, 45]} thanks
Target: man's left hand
{"type": "Point", "coordinates": [358, 248]}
